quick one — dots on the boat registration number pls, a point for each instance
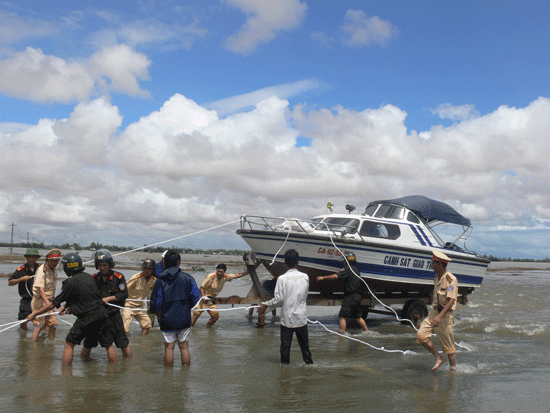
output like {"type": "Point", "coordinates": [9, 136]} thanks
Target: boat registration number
{"type": "Point", "coordinates": [329, 251]}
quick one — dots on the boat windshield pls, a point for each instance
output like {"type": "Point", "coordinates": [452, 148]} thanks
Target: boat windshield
{"type": "Point", "coordinates": [339, 224]}
{"type": "Point", "coordinates": [370, 210]}
{"type": "Point", "coordinates": [390, 211]}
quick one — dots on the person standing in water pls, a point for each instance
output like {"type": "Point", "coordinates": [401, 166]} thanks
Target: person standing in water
{"type": "Point", "coordinates": [441, 317]}
{"type": "Point", "coordinates": [291, 294]}
{"type": "Point", "coordinates": [351, 305]}
{"type": "Point", "coordinates": [173, 296]}
{"type": "Point", "coordinates": [43, 291]}
{"type": "Point", "coordinates": [23, 277]}
{"type": "Point", "coordinates": [82, 299]}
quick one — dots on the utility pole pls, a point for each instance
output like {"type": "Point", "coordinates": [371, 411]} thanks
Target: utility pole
{"type": "Point", "coordinates": [11, 248]}
{"type": "Point", "coordinates": [27, 239]}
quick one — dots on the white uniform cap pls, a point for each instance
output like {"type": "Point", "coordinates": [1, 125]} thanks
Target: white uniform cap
{"type": "Point", "coordinates": [439, 255]}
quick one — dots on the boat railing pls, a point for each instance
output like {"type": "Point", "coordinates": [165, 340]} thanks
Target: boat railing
{"type": "Point", "coordinates": [281, 224]}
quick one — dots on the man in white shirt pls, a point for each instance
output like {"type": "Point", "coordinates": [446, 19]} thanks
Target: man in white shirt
{"type": "Point", "coordinates": [291, 294]}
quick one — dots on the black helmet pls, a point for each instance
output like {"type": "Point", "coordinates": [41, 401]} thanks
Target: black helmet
{"type": "Point", "coordinates": [350, 257]}
{"type": "Point", "coordinates": [103, 255]}
{"type": "Point", "coordinates": [72, 263]}
{"type": "Point", "coordinates": [149, 263]}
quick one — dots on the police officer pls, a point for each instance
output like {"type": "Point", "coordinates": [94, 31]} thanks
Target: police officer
{"type": "Point", "coordinates": [140, 287]}
{"type": "Point", "coordinates": [440, 319]}
{"type": "Point", "coordinates": [83, 300]}
{"type": "Point", "coordinates": [112, 287]}
{"type": "Point", "coordinates": [23, 277]}
{"type": "Point", "coordinates": [351, 305]}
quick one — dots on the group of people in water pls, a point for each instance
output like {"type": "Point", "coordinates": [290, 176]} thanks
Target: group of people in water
{"type": "Point", "coordinates": [104, 303]}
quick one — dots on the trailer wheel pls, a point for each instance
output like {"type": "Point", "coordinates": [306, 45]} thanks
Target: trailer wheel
{"type": "Point", "coordinates": [416, 311]}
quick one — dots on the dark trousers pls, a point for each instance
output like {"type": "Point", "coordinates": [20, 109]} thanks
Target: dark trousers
{"type": "Point", "coordinates": [303, 341]}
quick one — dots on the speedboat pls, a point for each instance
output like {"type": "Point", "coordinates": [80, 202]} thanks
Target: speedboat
{"type": "Point", "coordinates": [392, 239]}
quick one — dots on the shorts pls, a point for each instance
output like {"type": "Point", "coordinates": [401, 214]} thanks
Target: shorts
{"type": "Point", "coordinates": [94, 326]}
{"type": "Point", "coordinates": [24, 308]}
{"type": "Point", "coordinates": [116, 327]}
{"type": "Point", "coordinates": [179, 336]}
{"type": "Point", "coordinates": [351, 306]}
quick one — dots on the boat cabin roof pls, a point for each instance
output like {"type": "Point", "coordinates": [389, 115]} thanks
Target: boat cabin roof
{"type": "Point", "coordinates": [426, 208]}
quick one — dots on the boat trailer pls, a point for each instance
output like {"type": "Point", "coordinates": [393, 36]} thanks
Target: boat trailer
{"type": "Point", "coordinates": [414, 306]}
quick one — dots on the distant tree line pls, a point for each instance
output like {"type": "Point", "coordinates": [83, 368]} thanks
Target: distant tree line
{"type": "Point", "coordinates": [94, 246]}
{"type": "Point", "coordinates": [493, 258]}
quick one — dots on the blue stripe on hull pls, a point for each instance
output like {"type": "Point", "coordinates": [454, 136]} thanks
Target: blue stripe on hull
{"type": "Point", "coordinates": [358, 247]}
{"type": "Point", "coordinates": [399, 273]}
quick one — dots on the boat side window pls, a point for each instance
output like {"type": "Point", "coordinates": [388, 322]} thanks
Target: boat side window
{"type": "Point", "coordinates": [370, 210]}
{"type": "Point", "coordinates": [339, 224]}
{"type": "Point", "coordinates": [390, 211]}
{"type": "Point", "coordinates": [379, 230]}
{"type": "Point", "coordinates": [412, 218]}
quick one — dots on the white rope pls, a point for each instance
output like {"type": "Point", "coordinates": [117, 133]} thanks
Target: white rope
{"type": "Point", "coordinates": [404, 352]}
{"type": "Point", "coordinates": [374, 295]}
{"type": "Point", "coordinates": [127, 308]}
{"type": "Point", "coordinates": [16, 323]}
{"type": "Point", "coordinates": [364, 282]}
{"type": "Point", "coordinates": [277, 253]}
{"type": "Point", "coordinates": [205, 297]}
{"type": "Point", "coordinates": [66, 322]}
{"type": "Point", "coordinates": [27, 287]}
{"type": "Point", "coordinates": [170, 240]}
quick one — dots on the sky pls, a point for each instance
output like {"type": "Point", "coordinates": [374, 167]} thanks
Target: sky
{"type": "Point", "coordinates": [136, 122]}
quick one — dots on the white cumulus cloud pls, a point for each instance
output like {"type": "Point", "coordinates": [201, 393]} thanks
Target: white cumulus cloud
{"type": "Point", "coordinates": [360, 30]}
{"type": "Point", "coordinates": [264, 20]}
{"type": "Point", "coordinates": [34, 76]}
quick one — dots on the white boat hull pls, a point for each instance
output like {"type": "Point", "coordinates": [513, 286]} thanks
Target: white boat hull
{"type": "Point", "coordinates": [386, 267]}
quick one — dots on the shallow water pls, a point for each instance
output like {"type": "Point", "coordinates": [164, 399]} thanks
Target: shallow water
{"type": "Point", "coordinates": [502, 366]}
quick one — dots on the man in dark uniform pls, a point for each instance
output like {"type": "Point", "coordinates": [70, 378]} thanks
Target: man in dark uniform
{"type": "Point", "coordinates": [82, 299]}
{"type": "Point", "coordinates": [23, 277]}
{"type": "Point", "coordinates": [112, 287]}
{"type": "Point", "coordinates": [351, 305]}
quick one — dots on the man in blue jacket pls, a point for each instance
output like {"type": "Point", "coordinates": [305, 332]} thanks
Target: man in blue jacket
{"type": "Point", "coordinates": [174, 295]}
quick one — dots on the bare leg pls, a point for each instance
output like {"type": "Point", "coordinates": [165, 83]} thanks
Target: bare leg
{"type": "Point", "coordinates": [24, 326]}
{"type": "Point", "coordinates": [144, 331]}
{"type": "Point", "coordinates": [452, 361]}
{"type": "Point", "coordinates": [185, 356]}
{"type": "Point", "coordinates": [362, 323]}
{"type": "Point", "coordinates": [51, 332]}
{"type": "Point", "coordinates": [439, 360]}
{"type": "Point", "coordinates": [261, 319]}
{"type": "Point", "coordinates": [86, 354]}
{"type": "Point", "coordinates": [342, 322]}
{"type": "Point", "coordinates": [195, 318]}
{"type": "Point", "coordinates": [213, 318]}
{"type": "Point", "coordinates": [126, 352]}
{"type": "Point", "coordinates": [68, 354]}
{"type": "Point", "coordinates": [111, 354]}
{"type": "Point", "coordinates": [169, 354]}
{"type": "Point", "coordinates": [36, 332]}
